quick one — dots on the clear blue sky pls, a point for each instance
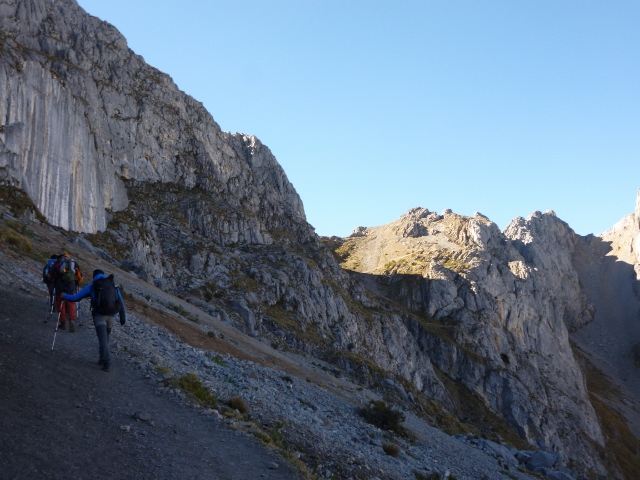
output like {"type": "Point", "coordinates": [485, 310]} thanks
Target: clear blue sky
{"type": "Point", "coordinates": [371, 107]}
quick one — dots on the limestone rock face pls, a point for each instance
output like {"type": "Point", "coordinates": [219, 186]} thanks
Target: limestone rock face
{"type": "Point", "coordinates": [512, 298]}
{"type": "Point", "coordinates": [81, 114]}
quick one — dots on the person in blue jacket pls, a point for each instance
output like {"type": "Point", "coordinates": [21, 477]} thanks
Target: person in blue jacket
{"type": "Point", "coordinates": [106, 305]}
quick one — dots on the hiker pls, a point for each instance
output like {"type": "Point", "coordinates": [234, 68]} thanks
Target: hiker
{"type": "Point", "coordinates": [66, 277]}
{"type": "Point", "coordinates": [106, 304]}
{"type": "Point", "coordinates": [48, 268]}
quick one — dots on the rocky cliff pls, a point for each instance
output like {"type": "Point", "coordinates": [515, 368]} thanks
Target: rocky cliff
{"type": "Point", "coordinates": [81, 115]}
{"type": "Point", "coordinates": [510, 297]}
{"type": "Point", "coordinates": [466, 325]}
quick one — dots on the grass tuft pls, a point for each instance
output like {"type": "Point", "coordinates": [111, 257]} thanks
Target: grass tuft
{"type": "Point", "coordinates": [237, 403]}
{"type": "Point", "coordinates": [193, 387]}
{"type": "Point", "coordinates": [391, 449]}
{"type": "Point", "coordinates": [378, 413]}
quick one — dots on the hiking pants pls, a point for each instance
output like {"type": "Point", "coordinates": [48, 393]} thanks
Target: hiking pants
{"type": "Point", "coordinates": [66, 309]}
{"type": "Point", "coordinates": [51, 293]}
{"type": "Point", "coordinates": [103, 324]}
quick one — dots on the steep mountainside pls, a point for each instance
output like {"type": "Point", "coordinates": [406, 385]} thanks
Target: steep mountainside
{"type": "Point", "coordinates": [443, 314]}
{"type": "Point", "coordinates": [82, 115]}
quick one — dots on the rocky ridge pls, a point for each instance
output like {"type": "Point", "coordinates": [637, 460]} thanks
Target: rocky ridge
{"type": "Point", "coordinates": [513, 296]}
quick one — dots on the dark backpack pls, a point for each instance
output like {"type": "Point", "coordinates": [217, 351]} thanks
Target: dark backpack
{"type": "Point", "coordinates": [48, 269]}
{"type": "Point", "coordinates": [105, 297]}
{"type": "Point", "coordinates": [67, 269]}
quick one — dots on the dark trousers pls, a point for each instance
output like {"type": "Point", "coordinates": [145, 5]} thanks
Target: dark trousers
{"type": "Point", "coordinates": [103, 324]}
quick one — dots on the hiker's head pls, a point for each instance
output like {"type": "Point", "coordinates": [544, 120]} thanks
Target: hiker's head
{"type": "Point", "coordinates": [54, 257]}
{"type": "Point", "coordinates": [97, 272]}
{"type": "Point", "coordinates": [64, 255]}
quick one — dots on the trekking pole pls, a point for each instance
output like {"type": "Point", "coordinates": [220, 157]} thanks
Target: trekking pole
{"type": "Point", "coordinates": [78, 306]}
{"type": "Point", "coordinates": [56, 332]}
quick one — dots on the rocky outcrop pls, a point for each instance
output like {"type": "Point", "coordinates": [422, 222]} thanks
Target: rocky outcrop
{"type": "Point", "coordinates": [82, 114]}
{"type": "Point", "coordinates": [511, 297]}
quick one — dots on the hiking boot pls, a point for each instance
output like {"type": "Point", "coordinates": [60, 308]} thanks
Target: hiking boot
{"type": "Point", "coordinates": [62, 326]}
{"type": "Point", "coordinates": [72, 326]}
{"type": "Point", "coordinates": [105, 367]}
{"type": "Point", "coordinates": [100, 363]}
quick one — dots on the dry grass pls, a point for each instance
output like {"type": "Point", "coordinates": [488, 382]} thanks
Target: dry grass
{"type": "Point", "coordinates": [237, 403]}
{"type": "Point", "coordinates": [391, 449]}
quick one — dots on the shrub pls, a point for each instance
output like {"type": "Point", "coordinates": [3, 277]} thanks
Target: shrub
{"type": "Point", "coordinates": [193, 387]}
{"type": "Point", "coordinates": [391, 449]}
{"type": "Point", "coordinates": [382, 416]}
{"type": "Point", "coordinates": [19, 242]}
{"type": "Point", "coordinates": [431, 476]}
{"type": "Point", "coordinates": [237, 403]}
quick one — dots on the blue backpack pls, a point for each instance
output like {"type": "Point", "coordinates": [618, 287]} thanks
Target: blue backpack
{"type": "Point", "coordinates": [48, 268]}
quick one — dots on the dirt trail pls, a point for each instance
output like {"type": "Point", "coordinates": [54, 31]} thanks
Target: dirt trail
{"type": "Point", "coordinates": [61, 417]}
{"type": "Point", "coordinates": [611, 338]}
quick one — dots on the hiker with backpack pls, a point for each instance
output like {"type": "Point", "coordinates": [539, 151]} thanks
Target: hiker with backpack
{"type": "Point", "coordinates": [48, 280]}
{"type": "Point", "coordinates": [66, 276]}
{"type": "Point", "coordinates": [106, 305]}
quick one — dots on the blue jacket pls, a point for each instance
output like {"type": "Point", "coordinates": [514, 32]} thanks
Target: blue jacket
{"type": "Point", "coordinates": [88, 292]}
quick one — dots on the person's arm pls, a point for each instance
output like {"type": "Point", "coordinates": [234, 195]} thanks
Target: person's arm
{"type": "Point", "coordinates": [123, 310]}
{"type": "Point", "coordinates": [85, 292]}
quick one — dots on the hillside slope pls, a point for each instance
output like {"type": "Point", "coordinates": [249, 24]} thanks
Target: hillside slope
{"type": "Point", "coordinates": [299, 407]}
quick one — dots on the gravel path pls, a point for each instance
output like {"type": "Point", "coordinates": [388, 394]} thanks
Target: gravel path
{"type": "Point", "coordinates": [61, 417]}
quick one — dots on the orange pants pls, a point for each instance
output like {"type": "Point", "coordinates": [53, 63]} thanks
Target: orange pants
{"type": "Point", "coordinates": [66, 309]}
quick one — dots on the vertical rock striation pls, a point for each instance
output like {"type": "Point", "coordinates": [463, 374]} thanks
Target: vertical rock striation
{"type": "Point", "coordinates": [81, 114]}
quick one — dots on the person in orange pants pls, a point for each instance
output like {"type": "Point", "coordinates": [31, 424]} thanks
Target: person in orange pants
{"type": "Point", "coordinates": [66, 274]}
{"type": "Point", "coordinates": [68, 311]}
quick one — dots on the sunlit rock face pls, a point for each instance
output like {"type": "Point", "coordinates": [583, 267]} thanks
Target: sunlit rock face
{"type": "Point", "coordinates": [512, 296]}
{"type": "Point", "coordinates": [80, 114]}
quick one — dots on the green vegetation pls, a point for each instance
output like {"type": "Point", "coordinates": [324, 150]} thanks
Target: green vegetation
{"type": "Point", "coordinates": [18, 241]}
{"type": "Point", "coordinates": [456, 265]}
{"type": "Point", "coordinates": [161, 369]}
{"type": "Point", "coordinates": [344, 251]}
{"type": "Point", "coordinates": [196, 391]}
{"type": "Point", "coordinates": [18, 202]}
{"type": "Point", "coordinates": [378, 413]}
